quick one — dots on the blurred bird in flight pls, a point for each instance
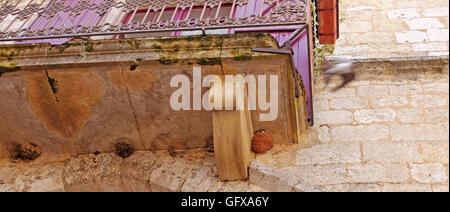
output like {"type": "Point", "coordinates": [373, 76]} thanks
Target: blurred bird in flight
{"type": "Point", "coordinates": [345, 69]}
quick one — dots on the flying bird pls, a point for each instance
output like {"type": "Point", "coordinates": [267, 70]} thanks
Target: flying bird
{"type": "Point", "coordinates": [344, 69]}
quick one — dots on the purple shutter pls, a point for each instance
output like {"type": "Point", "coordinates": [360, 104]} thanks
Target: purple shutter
{"type": "Point", "coordinates": [282, 34]}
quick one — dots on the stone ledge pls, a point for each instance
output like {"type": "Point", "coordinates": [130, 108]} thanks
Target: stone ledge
{"type": "Point", "coordinates": [163, 49]}
{"type": "Point", "coordinates": [192, 171]}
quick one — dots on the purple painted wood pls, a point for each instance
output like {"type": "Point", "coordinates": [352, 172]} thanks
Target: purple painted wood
{"type": "Point", "coordinates": [282, 34]}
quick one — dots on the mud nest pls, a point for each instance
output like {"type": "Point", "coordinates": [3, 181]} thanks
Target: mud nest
{"type": "Point", "coordinates": [26, 152]}
{"type": "Point", "coordinates": [124, 149]}
{"type": "Point", "coordinates": [262, 142]}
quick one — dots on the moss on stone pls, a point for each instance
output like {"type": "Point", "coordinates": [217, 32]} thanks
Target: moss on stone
{"type": "Point", "coordinates": [9, 55]}
{"type": "Point", "coordinates": [88, 47]}
{"type": "Point", "coordinates": [210, 61]}
{"type": "Point", "coordinates": [135, 43]}
{"type": "Point", "coordinates": [61, 48]}
{"type": "Point", "coordinates": [8, 68]}
{"type": "Point", "coordinates": [167, 61]}
{"type": "Point", "coordinates": [242, 58]}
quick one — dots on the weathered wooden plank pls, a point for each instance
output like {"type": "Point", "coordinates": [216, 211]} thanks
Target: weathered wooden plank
{"type": "Point", "coordinates": [233, 132]}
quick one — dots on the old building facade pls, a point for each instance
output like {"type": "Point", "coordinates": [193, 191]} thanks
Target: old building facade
{"type": "Point", "coordinates": [386, 131]}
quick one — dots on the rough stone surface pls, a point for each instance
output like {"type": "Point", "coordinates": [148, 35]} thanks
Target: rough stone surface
{"type": "Point", "coordinates": [192, 171]}
{"type": "Point", "coordinates": [437, 115]}
{"type": "Point", "coordinates": [408, 28]}
{"type": "Point", "coordinates": [430, 132]}
{"type": "Point", "coordinates": [440, 187]}
{"type": "Point", "coordinates": [334, 117]}
{"type": "Point", "coordinates": [411, 115]}
{"type": "Point", "coordinates": [406, 188]}
{"type": "Point", "coordinates": [411, 37]}
{"type": "Point", "coordinates": [349, 103]}
{"type": "Point", "coordinates": [321, 104]}
{"type": "Point", "coordinates": [375, 116]}
{"type": "Point", "coordinates": [373, 90]}
{"type": "Point", "coordinates": [360, 133]}
{"type": "Point", "coordinates": [435, 151]}
{"type": "Point", "coordinates": [435, 12]}
{"type": "Point", "coordinates": [391, 152]}
{"type": "Point", "coordinates": [399, 102]}
{"type": "Point", "coordinates": [324, 134]}
{"type": "Point", "coordinates": [322, 174]}
{"type": "Point", "coordinates": [387, 101]}
{"type": "Point", "coordinates": [352, 188]}
{"type": "Point", "coordinates": [398, 90]}
{"type": "Point", "coordinates": [428, 173]}
{"type": "Point", "coordinates": [403, 13]}
{"type": "Point", "coordinates": [428, 101]}
{"type": "Point", "coordinates": [424, 23]}
{"type": "Point", "coordinates": [436, 87]}
{"type": "Point", "coordinates": [329, 154]}
{"type": "Point", "coordinates": [274, 179]}
{"type": "Point", "coordinates": [376, 173]}
{"type": "Point", "coordinates": [438, 34]}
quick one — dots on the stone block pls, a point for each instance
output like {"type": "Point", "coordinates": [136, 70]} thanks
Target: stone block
{"type": "Point", "coordinates": [360, 133]}
{"type": "Point", "coordinates": [391, 152]}
{"type": "Point", "coordinates": [329, 154]}
{"type": "Point", "coordinates": [428, 173]}
{"type": "Point", "coordinates": [375, 116]}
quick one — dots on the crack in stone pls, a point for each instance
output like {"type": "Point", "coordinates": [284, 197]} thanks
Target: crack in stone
{"type": "Point", "coordinates": [132, 106]}
{"type": "Point", "coordinates": [53, 85]}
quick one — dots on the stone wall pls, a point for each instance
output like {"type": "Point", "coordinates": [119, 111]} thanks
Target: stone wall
{"type": "Point", "coordinates": [387, 131]}
{"type": "Point", "coordinates": [401, 28]}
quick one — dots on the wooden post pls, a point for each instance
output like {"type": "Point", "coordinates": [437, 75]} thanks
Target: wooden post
{"type": "Point", "coordinates": [233, 133]}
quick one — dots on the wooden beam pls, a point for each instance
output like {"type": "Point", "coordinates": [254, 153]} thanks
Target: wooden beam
{"type": "Point", "coordinates": [233, 133]}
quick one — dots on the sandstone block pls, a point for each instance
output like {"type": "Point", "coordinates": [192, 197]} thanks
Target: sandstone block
{"type": "Point", "coordinates": [334, 117]}
{"type": "Point", "coordinates": [379, 90]}
{"type": "Point", "coordinates": [373, 173]}
{"type": "Point", "coordinates": [388, 101]}
{"type": "Point", "coordinates": [428, 173]}
{"type": "Point", "coordinates": [411, 37]}
{"type": "Point", "coordinates": [329, 154]}
{"type": "Point", "coordinates": [391, 152]}
{"type": "Point", "coordinates": [349, 103]}
{"type": "Point", "coordinates": [410, 115]}
{"type": "Point", "coordinates": [375, 116]}
{"type": "Point", "coordinates": [360, 133]}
